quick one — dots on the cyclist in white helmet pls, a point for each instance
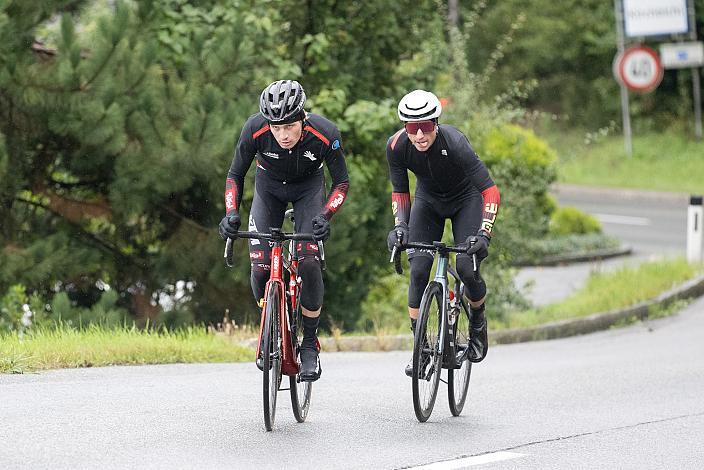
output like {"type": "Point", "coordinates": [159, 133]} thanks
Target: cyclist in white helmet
{"type": "Point", "coordinates": [451, 183]}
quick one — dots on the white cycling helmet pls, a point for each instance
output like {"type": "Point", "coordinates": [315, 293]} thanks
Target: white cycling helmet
{"type": "Point", "coordinates": [419, 105]}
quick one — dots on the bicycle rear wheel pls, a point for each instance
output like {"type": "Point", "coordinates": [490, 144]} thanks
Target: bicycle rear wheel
{"type": "Point", "coordinates": [427, 359]}
{"type": "Point", "coordinates": [271, 355]}
{"type": "Point", "coordinates": [300, 391]}
{"type": "Point", "coordinates": [458, 379]}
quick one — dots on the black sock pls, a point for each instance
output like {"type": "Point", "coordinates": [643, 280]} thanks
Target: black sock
{"type": "Point", "coordinates": [413, 325]}
{"type": "Point", "coordinates": [477, 316]}
{"type": "Point", "coordinates": [310, 328]}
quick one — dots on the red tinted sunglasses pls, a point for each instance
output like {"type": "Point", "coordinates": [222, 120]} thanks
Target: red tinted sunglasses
{"type": "Point", "coordinates": [426, 126]}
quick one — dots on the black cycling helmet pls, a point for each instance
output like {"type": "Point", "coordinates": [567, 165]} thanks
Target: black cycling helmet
{"type": "Point", "coordinates": [282, 102]}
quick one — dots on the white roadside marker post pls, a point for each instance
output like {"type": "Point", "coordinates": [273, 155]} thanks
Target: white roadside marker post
{"type": "Point", "coordinates": [695, 231]}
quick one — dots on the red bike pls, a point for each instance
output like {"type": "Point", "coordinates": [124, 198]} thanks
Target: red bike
{"type": "Point", "coordinates": [281, 328]}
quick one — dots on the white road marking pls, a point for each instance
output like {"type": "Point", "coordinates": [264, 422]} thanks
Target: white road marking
{"type": "Point", "coordinates": [469, 461]}
{"type": "Point", "coordinates": [622, 219]}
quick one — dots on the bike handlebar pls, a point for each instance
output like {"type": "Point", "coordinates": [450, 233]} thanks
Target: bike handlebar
{"type": "Point", "coordinates": [275, 235]}
{"type": "Point", "coordinates": [435, 246]}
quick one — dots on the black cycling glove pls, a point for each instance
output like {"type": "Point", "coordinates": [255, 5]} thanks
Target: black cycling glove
{"type": "Point", "coordinates": [321, 228]}
{"type": "Point", "coordinates": [478, 245]}
{"type": "Point", "coordinates": [229, 225]}
{"type": "Point", "coordinates": [391, 240]}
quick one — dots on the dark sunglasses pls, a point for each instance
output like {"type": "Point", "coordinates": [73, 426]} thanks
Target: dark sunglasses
{"type": "Point", "coordinates": [426, 126]}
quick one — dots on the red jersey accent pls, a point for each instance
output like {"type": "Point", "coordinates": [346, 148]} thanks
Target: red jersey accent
{"type": "Point", "coordinates": [317, 134]}
{"type": "Point", "coordinates": [395, 137]}
{"type": "Point", "coordinates": [336, 199]}
{"type": "Point", "coordinates": [230, 196]}
{"type": "Point", "coordinates": [400, 206]}
{"type": "Point", "coordinates": [492, 199]}
{"type": "Point", "coordinates": [260, 131]}
{"type": "Point", "coordinates": [337, 196]}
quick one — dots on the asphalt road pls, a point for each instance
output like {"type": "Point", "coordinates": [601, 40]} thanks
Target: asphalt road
{"type": "Point", "coordinates": [650, 222]}
{"type": "Point", "coordinates": [625, 398]}
{"type": "Point", "coordinates": [653, 224]}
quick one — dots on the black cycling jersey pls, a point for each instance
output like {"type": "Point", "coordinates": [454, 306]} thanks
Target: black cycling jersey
{"type": "Point", "coordinates": [288, 176]}
{"type": "Point", "coordinates": [448, 169]}
{"type": "Point", "coordinates": [320, 143]}
{"type": "Point", "coordinates": [451, 182]}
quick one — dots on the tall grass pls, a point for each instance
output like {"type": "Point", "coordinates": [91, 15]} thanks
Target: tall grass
{"type": "Point", "coordinates": [60, 347]}
{"type": "Point", "coordinates": [667, 161]}
{"type": "Point", "coordinates": [603, 292]}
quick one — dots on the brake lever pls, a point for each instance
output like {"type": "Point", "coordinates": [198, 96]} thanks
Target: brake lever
{"type": "Point", "coordinates": [395, 255]}
{"type": "Point", "coordinates": [321, 250]}
{"type": "Point", "coordinates": [228, 253]}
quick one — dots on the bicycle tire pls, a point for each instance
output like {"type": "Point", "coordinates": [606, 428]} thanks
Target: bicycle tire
{"type": "Point", "coordinates": [271, 355]}
{"type": "Point", "coordinates": [300, 391]}
{"type": "Point", "coordinates": [458, 379]}
{"type": "Point", "coordinates": [427, 346]}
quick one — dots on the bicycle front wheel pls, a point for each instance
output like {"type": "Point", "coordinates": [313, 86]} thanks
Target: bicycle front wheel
{"type": "Point", "coordinates": [300, 391]}
{"type": "Point", "coordinates": [458, 379]}
{"type": "Point", "coordinates": [427, 357]}
{"type": "Point", "coordinates": [271, 355]}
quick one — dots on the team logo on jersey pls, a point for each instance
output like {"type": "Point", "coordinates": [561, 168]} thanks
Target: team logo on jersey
{"type": "Point", "coordinates": [271, 154]}
{"type": "Point", "coordinates": [335, 144]}
{"type": "Point", "coordinates": [229, 199]}
{"type": "Point", "coordinates": [252, 228]}
{"type": "Point", "coordinates": [444, 152]}
{"type": "Point", "coordinates": [335, 203]}
{"type": "Point", "coordinates": [309, 155]}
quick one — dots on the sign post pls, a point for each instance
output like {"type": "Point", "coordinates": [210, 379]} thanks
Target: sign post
{"type": "Point", "coordinates": [661, 19]}
{"type": "Point", "coordinates": [696, 86]}
{"type": "Point", "coordinates": [625, 111]}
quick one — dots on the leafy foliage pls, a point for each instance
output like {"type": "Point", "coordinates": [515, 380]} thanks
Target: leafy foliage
{"type": "Point", "coordinates": [118, 120]}
{"type": "Point", "coordinates": [568, 220]}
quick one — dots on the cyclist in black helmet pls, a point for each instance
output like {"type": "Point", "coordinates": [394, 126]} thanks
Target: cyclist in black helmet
{"type": "Point", "coordinates": [290, 147]}
{"type": "Point", "coordinates": [451, 183]}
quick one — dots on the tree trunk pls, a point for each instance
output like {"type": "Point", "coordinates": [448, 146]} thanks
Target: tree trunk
{"type": "Point", "coordinates": [453, 13]}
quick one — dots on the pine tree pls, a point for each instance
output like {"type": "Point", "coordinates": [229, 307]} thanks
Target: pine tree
{"type": "Point", "coordinates": [116, 141]}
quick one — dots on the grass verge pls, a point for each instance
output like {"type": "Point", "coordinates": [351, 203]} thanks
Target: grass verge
{"type": "Point", "coordinates": [668, 161]}
{"type": "Point", "coordinates": [63, 347]}
{"type": "Point", "coordinates": [603, 292]}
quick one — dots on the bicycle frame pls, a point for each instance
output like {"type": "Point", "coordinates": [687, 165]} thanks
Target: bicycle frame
{"type": "Point", "coordinates": [446, 347]}
{"type": "Point", "coordinates": [289, 364]}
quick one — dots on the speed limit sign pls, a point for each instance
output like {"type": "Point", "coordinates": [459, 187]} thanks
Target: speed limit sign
{"type": "Point", "coordinates": [638, 68]}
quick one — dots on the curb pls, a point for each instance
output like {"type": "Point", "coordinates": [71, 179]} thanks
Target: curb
{"type": "Point", "coordinates": [553, 330]}
{"type": "Point", "coordinates": [578, 257]}
{"type": "Point", "coordinates": [600, 321]}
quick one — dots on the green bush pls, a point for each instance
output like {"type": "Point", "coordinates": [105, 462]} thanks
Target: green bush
{"type": "Point", "coordinates": [523, 167]}
{"type": "Point", "coordinates": [570, 220]}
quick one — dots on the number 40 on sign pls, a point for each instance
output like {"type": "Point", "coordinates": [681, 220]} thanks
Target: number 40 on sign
{"type": "Point", "coordinates": [638, 68]}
